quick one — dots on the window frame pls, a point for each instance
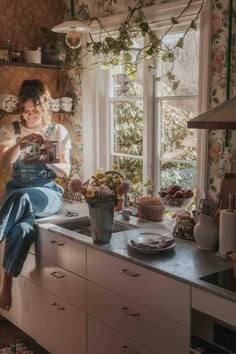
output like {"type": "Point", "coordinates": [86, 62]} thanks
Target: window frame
{"type": "Point", "coordinates": [96, 106]}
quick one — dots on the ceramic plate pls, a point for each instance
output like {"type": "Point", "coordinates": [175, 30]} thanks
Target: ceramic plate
{"type": "Point", "coordinates": [146, 238]}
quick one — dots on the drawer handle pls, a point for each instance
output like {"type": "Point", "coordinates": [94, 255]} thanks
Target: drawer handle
{"type": "Point", "coordinates": [57, 243]}
{"type": "Point", "coordinates": [125, 349]}
{"type": "Point", "coordinates": [131, 274]}
{"type": "Point", "coordinates": [57, 275]}
{"type": "Point", "coordinates": [58, 307]}
{"type": "Point", "coordinates": [126, 310]}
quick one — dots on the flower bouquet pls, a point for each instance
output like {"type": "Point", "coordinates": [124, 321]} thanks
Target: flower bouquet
{"type": "Point", "coordinates": [103, 186]}
{"type": "Point", "coordinates": [102, 193]}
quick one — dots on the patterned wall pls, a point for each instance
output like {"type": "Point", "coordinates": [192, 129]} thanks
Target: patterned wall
{"type": "Point", "coordinates": [90, 8]}
{"type": "Point", "coordinates": [21, 21]}
{"type": "Point", "coordinates": [218, 157]}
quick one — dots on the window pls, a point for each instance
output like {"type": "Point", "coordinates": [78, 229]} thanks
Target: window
{"type": "Point", "coordinates": [175, 147]}
{"type": "Point", "coordinates": [141, 124]}
{"type": "Point", "coordinates": [125, 112]}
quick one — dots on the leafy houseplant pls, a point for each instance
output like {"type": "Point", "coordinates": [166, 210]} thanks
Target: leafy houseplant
{"type": "Point", "coordinates": [112, 49]}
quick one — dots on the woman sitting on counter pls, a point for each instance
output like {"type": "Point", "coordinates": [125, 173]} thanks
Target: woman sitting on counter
{"type": "Point", "coordinates": [31, 192]}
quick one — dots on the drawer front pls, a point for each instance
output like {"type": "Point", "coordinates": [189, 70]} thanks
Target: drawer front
{"type": "Point", "coordinates": [147, 328]}
{"type": "Point", "coordinates": [58, 281]}
{"type": "Point", "coordinates": [62, 328]}
{"type": "Point", "coordinates": [214, 306]}
{"type": "Point", "coordinates": [159, 293]}
{"type": "Point", "coordinates": [112, 342]}
{"type": "Point", "coordinates": [60, 250]}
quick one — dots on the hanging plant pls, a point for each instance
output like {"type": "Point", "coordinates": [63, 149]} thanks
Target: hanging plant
{"type": "Point", "coordinates": [114, 49]}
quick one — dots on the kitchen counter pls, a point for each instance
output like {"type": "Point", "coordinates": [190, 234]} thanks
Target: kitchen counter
{"type": "Point", "coordinates": [185, 262]}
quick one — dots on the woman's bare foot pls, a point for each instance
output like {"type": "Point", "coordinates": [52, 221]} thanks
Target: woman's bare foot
{"type": "Point", "coordinates": [6, 292]}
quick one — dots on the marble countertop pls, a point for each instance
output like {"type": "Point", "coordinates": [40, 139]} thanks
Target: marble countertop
{"type": "Point", "coordinates": [185, 262]}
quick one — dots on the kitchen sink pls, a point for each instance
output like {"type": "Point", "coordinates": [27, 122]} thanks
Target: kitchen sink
{"type": "Point", "coordinates": [82, 226]}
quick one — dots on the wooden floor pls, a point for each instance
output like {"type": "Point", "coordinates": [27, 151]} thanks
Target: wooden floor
{"type": "Point", "coordinates": [10, 335]}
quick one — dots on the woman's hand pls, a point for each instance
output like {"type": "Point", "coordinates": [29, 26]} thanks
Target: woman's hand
{"type": "Point", "coordinates": [36, 137]}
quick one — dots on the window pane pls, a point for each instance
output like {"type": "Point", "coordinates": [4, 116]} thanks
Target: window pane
{"type": "Point", "coordinates": [180, 173]}
{"type": "Point", "coordinates": [132, 168]}
{"type": "Point", "coordinates": [185, 66]}
{"type": "Point", "coordinates": [127, 127]}
{"type": "Point", "coordinates": [121, 85]}
{"type": "Point", "coordinates": [177, 141]}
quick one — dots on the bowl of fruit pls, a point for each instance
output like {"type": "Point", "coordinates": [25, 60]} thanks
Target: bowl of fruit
{"type": "Point", "coordinates": [176, 197]}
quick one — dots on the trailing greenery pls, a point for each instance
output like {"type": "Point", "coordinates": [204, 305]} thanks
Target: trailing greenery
{"type": "Point", "coordinates": [114, 49]}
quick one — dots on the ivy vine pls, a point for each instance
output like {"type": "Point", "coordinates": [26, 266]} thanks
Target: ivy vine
{"type": "Point", "coordinates": [111, 49]}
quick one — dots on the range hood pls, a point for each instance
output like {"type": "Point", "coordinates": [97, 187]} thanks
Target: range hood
{"type": "Point", "coordinates": [221, 117]}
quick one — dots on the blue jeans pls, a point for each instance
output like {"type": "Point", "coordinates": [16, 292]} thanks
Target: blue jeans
{"type": "Point", "coordinates": [17, 218]}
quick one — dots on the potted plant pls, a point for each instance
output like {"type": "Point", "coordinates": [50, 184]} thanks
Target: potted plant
{"type": "Point", "coordinates": [150, 207]}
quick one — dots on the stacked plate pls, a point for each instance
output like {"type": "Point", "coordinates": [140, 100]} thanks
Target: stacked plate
{"type": "Point", "coordinates": [151, 243]}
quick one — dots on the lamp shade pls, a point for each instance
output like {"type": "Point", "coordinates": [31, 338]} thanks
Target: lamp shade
{"type": "Point", "coordinates": [221, 117]}
{"type": "Point", "coordinates": [72, 25]}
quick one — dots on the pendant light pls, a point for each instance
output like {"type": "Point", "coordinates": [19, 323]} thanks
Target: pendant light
{"type": "Point", "coordinates": [72, 27]}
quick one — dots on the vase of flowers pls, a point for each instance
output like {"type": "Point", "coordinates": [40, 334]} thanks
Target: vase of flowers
{"type": "Point", "coordinates": [102, 193]}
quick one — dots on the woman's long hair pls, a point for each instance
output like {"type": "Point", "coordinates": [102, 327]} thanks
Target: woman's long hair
{"type": "Point", "coordinates": [36, 91]}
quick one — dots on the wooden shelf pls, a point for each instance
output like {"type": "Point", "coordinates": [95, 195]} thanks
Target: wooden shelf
{"type": "Point", "coordinates": [31, 65]}
{"type": "Point", "coordinates": [3, 113]}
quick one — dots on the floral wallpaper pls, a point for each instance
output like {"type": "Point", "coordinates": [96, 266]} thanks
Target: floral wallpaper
{"type": "Point", "coordinates": [21, 21]}
{"type": "Point", "coordinates": [87, 8]}
{"type": "Point", "coordinates": [219, 152]}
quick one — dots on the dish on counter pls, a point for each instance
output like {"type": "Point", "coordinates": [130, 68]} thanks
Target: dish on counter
{"type": "Point", "coordinates": [151, 243]}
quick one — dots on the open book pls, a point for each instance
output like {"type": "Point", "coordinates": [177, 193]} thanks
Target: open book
{"type": "Point", "coordinates": [34, 152]}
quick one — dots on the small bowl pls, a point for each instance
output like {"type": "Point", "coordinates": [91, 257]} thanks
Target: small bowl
{"type": "Point", "coordinates": [176, 203]}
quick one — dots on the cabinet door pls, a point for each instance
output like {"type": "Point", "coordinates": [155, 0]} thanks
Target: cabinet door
{"type": "Point", "coordinates": [147, 328]}
{"type": "Point", "coordinates": [159, 293]}
{"type": "Point", "coordinates": [112, 342]}
{"type": "Point", "coordinates": [64, 284]}
{"type": "Point", "coordinates": [57, 326]}
{"type": "Point", "coordinates": [24, 313]}
{"type": "Point", "coordinates": [63, 327]}
{"type": "Point", "coordinates": [60, 250]}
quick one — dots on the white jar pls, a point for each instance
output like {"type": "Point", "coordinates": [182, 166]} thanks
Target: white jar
{"type": "Point", "coordinates": [206, 233]}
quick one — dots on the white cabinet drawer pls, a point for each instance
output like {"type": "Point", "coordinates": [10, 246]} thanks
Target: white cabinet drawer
{"type": "Point", "coordinates": [112, 342]}
{"type": "Point", "coordinates": [214, 306]}
{"type": "Point", "coordinates": [60, 250]}
{"type": "Point", "coordinates": [58, 281]}
{"type": "Point", "coordinates": [62, 328]}
{"type": "Point", "coordinates": [137, 323]}
{"type": "Point", "coordinates": [159, 293]}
